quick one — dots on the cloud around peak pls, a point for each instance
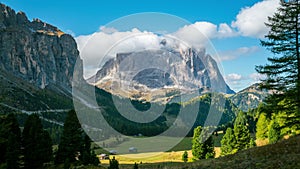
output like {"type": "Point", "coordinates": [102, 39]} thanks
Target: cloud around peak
{"type": "Point", "coordinates": [95, 47]}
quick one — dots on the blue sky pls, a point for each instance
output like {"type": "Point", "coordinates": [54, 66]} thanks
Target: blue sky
{"type": "Point", "coordinates": [233, 26]}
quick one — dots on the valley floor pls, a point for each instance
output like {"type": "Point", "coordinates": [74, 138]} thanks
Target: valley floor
{"type": "Point", "coordinates": [282, 155]}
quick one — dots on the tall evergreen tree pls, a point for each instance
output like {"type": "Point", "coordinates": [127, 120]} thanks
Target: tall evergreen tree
{"type": "Point", "coordinates": [262, 127]}
{"type": "Point", "coordinates": [283, 68]}
{"type": "Point", "coordinates": [45, 147]}
{"type": "Point", "coordinates": [241, 119]}
{"type": "Point", "coordinates": [274, 132]}
{"type": "Point", "coordinates": [75, 142]}
{"type": "Point", "coordinates": [86, 151]}
{"type": "Point", "coordinates": [88, 156]}
{"type": "Point", "coordinates": [202, 144]}
{"type": "Point", "coordinates": [113, 163]}
{"type": "Point", "coordinates": [36, 142]}
{"type": "Point", "coordinates": [71, 141]}
{"type": "Point", "coordinates": [228, 143]}
{"type": "Point", "coordinates": [9, 127]}
{"type": "Point", "coordinates": [241, 132]}
{"type": "Point", "coordinates": [13, 152]}
{"type": "Point", "coordinates": [13, 149]}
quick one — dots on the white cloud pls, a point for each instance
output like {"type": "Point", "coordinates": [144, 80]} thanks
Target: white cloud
{"type": "Point", "coordinates": [235, 81]}
{"type": "Point", "coordinates": [251, 20]}
{"type": "Point", "coordinates": [257, 77]}
{"type": "Point", "coordinates": [226, 31]}
{"type": "Point", "coordinates": [196, 34]}
{"type": "Point", "coordinates": [107, 30]}
{"type": "Point", "coordinates": [233, 77]}
{"type": "Point", "coordinates": [238, 82]}
{"type": "Point", "coordinates": [97, 48]}
{"type": "Point", "coordinates": [234, 54]}
{"type": "Point", "coordinates": [199, 33]}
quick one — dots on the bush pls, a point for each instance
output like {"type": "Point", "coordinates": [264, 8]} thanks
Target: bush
{"type": "Point", "coordinates": [185, 156]}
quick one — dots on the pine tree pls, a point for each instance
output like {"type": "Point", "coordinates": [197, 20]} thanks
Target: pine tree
{"type": "Point", "coordinates": [241, 119]}
{"type": "Point", "coordinates": [10, 140]}
{"type": "Point", "coordinates": [135, 166]}
{"type": "Point", "coordinates": [274, 132]}
{"type": "Point", "coordinates": [75, 142]}
{"type": "Point", "coordinates": [262, 127]}
{"type": "Point", "coordinates": [184, 156]}
{"type": "Point", "coordinates": [241, 132]}
{"type": "Point", "coordinates": [45, 147]}
{"type": "Point", "coordinates": [283, 69]}
{"type": "Point", "coordinates": [71, 141]}
{"type": "Point", "coordinates": [228, 143]}
{"type": "Point", "coordinates": [209, 148]}
{"type": "Point", "coordinates": [94, 159]}
{"type": "Point", "coordinates": [13, 152]}
{"type": "Point", "coordinates": [36, 142]}
{"type": "Point", "coordinates": [202, 144]}
{"type": "Point", "coordinates": [197, 146]}
{"type": "Point", "coordinates": [88, 156]}
{"type": "Point", "coordinates": [113, 164]}
{"type": "Point", "coordinates": [86, 152]}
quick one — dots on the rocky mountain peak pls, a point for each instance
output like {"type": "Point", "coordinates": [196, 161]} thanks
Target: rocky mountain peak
{"type": "Point", "coordinates": [250, 97]}
{"type": "Point", "coordinates": [163, 71]}
{"type": "Point", "coordinates": [36, 51]}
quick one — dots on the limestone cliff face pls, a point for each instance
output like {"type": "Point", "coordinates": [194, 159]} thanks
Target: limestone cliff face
{"type": "Point", "coordinates": [149, 73]}
{"type": "Point", "coordinates": [36, 51]}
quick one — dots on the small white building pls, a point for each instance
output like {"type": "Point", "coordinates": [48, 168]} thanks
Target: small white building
{"type": "Point", "coordinates": [132, 150]}
{"type": "Point", "coordinates": [104, 157]}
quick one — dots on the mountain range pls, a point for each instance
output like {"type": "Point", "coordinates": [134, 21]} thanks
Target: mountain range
{"type": "Point", "coordinates": [37, 62]}
{"type": "Point", "coordinates": [158, 75]}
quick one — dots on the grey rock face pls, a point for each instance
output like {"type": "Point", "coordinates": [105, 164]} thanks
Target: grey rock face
{"type": "Point", "coordinates": [153, 78]}
{"type": "Point", "coordinates": [36, 51]}
{"type": "Point", "coordinates": [189, 70]}
{"type": "Point", "coordinates": [250, 97]}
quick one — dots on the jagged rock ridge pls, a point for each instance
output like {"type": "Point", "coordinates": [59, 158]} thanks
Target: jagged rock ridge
{"type": "Point", "coordinates": [150, 71]}
{"type": "Point", "coordinates": [250, 97]}
{"type": "Point", "coordinates": [36, 64]}
{"type": "Point", "coordinates": [36, 51]}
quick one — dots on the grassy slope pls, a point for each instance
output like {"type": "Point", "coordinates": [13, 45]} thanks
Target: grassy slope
{"type": "Point", "coordinates": [18, 93]}
{"type": "Point", "coordinates": [285, 154]}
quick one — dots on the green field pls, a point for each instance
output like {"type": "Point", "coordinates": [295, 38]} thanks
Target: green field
{"type": "Point", "coordinates": [284, 154]}
{"type": "Point", "coordinates": [174, 154]}
{"type": "Point", "coordinates": [153, 144]}
{"type": "Point", "coordinates": [147, 144]}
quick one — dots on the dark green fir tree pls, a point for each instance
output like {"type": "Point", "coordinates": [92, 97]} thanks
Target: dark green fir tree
{"type": "Point", "coordinates": [71, 143]}
{"type": "Point", "coordinates": [36, 142]}
{"type": "Point", "coordinates": [228, 143]}
{"type": "Point", "coordinates": [282, 71]}
{"type": "Point", "coordinates": [202, 144]}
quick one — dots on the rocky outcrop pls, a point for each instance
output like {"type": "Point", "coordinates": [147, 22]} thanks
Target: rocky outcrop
{"type": "Point", "coordinates": [164, 69]}
{"type": "Point", "coordinates": [36, 51]}
{"type": "Point", "coordinates": [250, 97]}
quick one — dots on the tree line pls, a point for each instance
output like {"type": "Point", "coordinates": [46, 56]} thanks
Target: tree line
{"type": "Point", "coordinates": [279, 114]}
{"type": "Point", "coordinates": [33, 148]}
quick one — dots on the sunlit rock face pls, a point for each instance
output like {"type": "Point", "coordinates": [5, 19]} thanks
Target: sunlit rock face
{"type": "Point", "coordinates": [36, 51]}
{"type": "Point", "coordinates": [150, 74]}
